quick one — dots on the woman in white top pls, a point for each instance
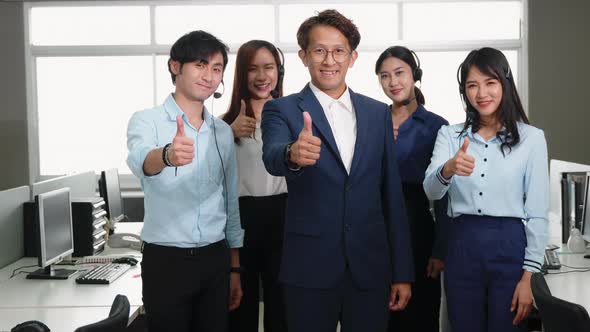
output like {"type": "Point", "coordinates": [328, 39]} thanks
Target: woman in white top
{"type": "Point", "coordinates": [258, 78]}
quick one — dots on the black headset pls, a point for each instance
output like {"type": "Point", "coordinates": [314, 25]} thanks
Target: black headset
{"type": "Point", "coordinates": [507, 74]}
{"type": "Point", "coordinates": [470, 114]}
{"type": "Point", "coordinates": [281, 73]}
{"type": "Point", "coordinates": [416, 72]}
{"type": "Point", "coordinates": [218, 95]}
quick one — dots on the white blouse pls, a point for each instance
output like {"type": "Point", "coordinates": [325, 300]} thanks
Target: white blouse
{"type": "Point", "coordinates": [254, 179]}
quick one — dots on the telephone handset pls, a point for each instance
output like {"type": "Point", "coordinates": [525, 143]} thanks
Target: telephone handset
{"type": "Point", "coordinates": [125, 240]}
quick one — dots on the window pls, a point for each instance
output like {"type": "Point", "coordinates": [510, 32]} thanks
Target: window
{"type": "Point", "coordinates": [92, 76]}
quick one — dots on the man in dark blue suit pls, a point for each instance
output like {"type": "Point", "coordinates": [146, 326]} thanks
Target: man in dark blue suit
{"type": "Point", "coordinates": [346, 254]}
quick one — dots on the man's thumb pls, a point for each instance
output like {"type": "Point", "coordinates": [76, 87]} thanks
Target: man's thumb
{"type": "Point", "coordinates": [307, 122]}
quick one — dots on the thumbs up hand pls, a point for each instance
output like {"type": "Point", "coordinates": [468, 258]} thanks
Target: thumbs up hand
{"type": "Point", "coordinates": [461, 164]}
{"type": "Point", "coordinates": [182, 150]}
{"type": "Point", "coordinates": [306, 150]}
{"type": "Point", "coordinates": [243, 125]}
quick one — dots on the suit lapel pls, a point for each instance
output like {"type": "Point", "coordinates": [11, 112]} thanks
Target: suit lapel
{"type": "Point", "coordinates": [311, 105]}
{"type": "Point", "coordinates": [362, 127]}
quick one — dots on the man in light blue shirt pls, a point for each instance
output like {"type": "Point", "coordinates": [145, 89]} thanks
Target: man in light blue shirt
{"type": "Point", "coordinates": [184, 157]}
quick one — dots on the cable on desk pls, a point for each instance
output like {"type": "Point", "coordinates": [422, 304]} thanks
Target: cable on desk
{"type": "Point", "coordinates": [570, 271]}
{"type": "Point", "coordinates": [577, 267]}
{"type": "Point", "coordinates": [19, 268]}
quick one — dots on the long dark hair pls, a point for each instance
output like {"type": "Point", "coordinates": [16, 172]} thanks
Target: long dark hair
{"type": "Point", "coordinates": [407, 56]}
{"type": "Point", "coordinates": [493, 63]}
{"type": "Point", "coordinates": [245, 55]}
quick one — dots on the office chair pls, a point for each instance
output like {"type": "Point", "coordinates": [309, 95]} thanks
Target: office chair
{"type": "Point", "coordinates": [117, 320]}
{"type": "Point", "coordinates": [557, 315]}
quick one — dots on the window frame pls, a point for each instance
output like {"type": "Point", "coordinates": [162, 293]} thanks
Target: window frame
{"type": "Point", "coordinates": [129, 183]}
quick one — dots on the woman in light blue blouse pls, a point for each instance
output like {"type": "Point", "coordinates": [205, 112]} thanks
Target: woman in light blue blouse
{"type": "Point", "coordinates": [494, 169]}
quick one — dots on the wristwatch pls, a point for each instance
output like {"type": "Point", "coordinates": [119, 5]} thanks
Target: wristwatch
{"type": "Point", "coordinates": [291, 165]}
{"type": "Point", "coordinates": [288, 153]}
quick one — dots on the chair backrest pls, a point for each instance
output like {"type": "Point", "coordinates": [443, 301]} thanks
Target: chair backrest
{"type": "Point", "coordinates": [117, 320]}
{"type": "Point", "coordinates": [558, 315]}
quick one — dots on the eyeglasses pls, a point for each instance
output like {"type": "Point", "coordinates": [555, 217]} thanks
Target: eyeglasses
{"type": "Point", "coordinates": [339, 55]}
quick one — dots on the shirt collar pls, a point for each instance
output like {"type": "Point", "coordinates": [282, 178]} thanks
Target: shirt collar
{"type": "Point", "coordinates": [326, 101]}
{"type": "Point", "coordinates": [475, 136]}
{"type": "Point", "coordinates": [173, 110]}
{"type": "Point", "coordinates": [420, 114]}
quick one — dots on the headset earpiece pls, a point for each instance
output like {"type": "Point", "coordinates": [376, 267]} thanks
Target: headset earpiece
{"type": "Point", "coordinates": [280, 73]}
{"type": "Point", "coordinates": [281, 65]}
{"type": "Point", "coordinates": [417, 72]}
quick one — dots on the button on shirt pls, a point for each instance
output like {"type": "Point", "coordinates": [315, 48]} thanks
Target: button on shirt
{"type": "Point", "coordinates": [514, 185]}
{"type": "Point", "coordinates": [342, 119]}
{"type": "Point", "coordinates": [187, 209]}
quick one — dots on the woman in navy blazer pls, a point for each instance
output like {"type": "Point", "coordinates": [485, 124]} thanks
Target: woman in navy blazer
{"type": "Point", "coordinates": [415, 129]}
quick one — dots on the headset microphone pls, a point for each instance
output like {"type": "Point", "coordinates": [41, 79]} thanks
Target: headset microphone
{"type": "Point", "coordinates": [218, 95]}
{"type": "Point", "coordinates": [407, 102]}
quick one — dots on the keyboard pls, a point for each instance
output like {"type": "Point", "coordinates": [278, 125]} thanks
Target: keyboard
{"type": "Point", "coordinates": [103, 274]}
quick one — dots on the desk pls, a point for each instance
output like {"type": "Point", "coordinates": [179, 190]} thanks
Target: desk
{"type": "Point", "coordinates": [47, 298]}
{"type": "Point", "coordinates": [57, 319]}
{"type": "Point", "coordinates": [574, 286]}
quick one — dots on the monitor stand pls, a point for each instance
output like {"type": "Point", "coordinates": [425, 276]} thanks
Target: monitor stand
{"type": "Point", "coordinates": [51, 273]}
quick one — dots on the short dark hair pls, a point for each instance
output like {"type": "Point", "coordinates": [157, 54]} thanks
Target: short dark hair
{"type": "Point", "coordinates": [332, 18]}
{"type": "Point", "coordinates": [196, 46]}
{"type": "Point", "coordinates": [493, 63]}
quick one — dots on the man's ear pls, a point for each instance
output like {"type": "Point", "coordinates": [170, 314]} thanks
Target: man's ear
{"type": "Point", "coordinates": [353, 57]}
{"type": "Point", "coordinates": [175, 67]}
{"type": "Point", "coordinates": [301, 55]}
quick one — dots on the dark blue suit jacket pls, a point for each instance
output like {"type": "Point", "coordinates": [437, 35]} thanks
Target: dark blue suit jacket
{"type": "Point", "coordinates": [333, 218]}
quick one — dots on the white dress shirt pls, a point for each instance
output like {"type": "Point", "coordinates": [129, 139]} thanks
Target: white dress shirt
{"type": "Point", "coordinates": [254, 179]}
{"type": "Point", "coordinates": [342, 119]}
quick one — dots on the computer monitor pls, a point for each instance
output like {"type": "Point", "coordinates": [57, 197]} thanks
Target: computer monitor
{"type": "Point", "coordinates": [56, 236]}
{"type": "Point", "coordinates": [586, 213]}
{"type": "Point", "coordinates": [109, 189]}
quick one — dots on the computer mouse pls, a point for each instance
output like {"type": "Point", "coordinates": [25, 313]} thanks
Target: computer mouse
{"type": "Point", "coordinates": [126, 260]}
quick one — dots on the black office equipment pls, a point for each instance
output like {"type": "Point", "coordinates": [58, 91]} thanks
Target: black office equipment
{"type": "Point", "coordinates": [111, 192]}
{"type": "Point", "coordinates": [103, 274]}
{"type": "Point", "coordinates": [90, 218]}
{"type": "Point", "coordinates": [53, 228]}
{"type": "Point", "coordinates": [109, 189]}
{"type": "Point", "coordinates": [551, 260]}
{"type": "Point", "coordinates": [557, 315]}
{"type": "Point", "coordinates": [88, 222]}
{"type": "Point", "coordinates": [117, 320]}
{"type": "Point", "coordinates": [573, 189]}
{"type": "Point", "coordinates": [31, 326]}
{"type": "Point", "coordinates": [126, 260]}
{"type": "Point", "coordinates": [586, 211]}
